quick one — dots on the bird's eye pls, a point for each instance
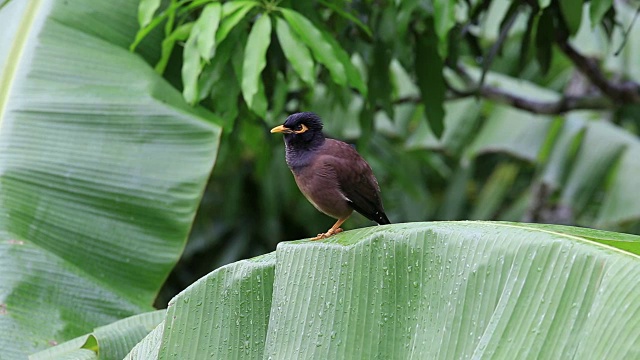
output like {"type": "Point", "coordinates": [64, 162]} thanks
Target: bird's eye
{"type": "Point", "coordinates": [300, 128]}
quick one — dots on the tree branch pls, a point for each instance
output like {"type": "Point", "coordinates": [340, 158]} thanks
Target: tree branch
{"type": "Point", "coordinates": [623, 92]}
{"type": "Point", "coordinates": [614, 93]}
{"type": "Point", "coordinates": [565, 104]}
{"type": "Point", "coordinates": [562, 105]}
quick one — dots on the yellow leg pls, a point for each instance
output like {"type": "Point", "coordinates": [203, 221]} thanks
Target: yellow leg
{"type": "Point", "coordinates": [334, 229]}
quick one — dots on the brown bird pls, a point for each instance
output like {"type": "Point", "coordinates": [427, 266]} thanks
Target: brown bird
{"type": "Point", "coordinates": [330, 173]}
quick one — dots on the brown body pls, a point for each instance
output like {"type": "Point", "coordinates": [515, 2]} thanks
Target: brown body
{"type": "Point", "coordinates": [330, 173]}
{"type": "Point", "coordinates": [334, 173]}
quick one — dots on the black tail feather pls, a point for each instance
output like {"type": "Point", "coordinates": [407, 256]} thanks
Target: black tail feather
{"type": "Point", "coordinates": [372, 213]}
{"type": "Point", "coordinates": [382, 219]}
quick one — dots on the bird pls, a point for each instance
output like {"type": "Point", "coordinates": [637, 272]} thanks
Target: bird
{"type": "Point", "coordinates": [330, 173]}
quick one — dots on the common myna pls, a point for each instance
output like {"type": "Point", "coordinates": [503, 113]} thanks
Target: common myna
{"type": "Point", "coordinates": [330, 173]}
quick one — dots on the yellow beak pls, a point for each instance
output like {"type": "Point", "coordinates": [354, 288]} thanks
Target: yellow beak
{"type": "Point", "coordinates": [281, 129]}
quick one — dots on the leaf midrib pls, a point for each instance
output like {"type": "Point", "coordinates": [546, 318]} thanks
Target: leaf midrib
{"type": "Point", "coordinates": [16, 52]}
{"type": "Point", "coordinates": [561, 234]}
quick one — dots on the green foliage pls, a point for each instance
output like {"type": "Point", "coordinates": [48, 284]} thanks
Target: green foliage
{"type": "Point", "coordinates": [572, 14]}
{"type": "Point", "coordinates": [113, 341]}
{"type": "Point", "coordinates": [446, 290]}
{"type": "Point", "coordinates": [388, 77]}
{"type": "Point", "coordinates": [295, 51]}
{"type": "Point", "coordinates": [429, 77]}
{"type": "Point", "coordinates": [253, 64]}
{"type": "Point", "coordinates": [499, 110]}
{"type": "Point", "coordinates": [101, 170]}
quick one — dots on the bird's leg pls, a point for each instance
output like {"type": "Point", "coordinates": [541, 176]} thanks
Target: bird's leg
{"type": "Point", "coordinates": [334, 229]}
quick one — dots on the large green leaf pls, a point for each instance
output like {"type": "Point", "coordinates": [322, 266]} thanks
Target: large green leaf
{"type": "Point", "coordinates": [296, 52]}
{"type": "Point", "coordinates": [428, 67]}
{"type": "Point", "coordinates": [447, 290]}
{"type": "Point", "coordinates": [460, 125]}
{"type": "Point", "coordinates": [111, 341]}
{"type": "Point", "coordinates": [210, 19]}
{"type": "Point", "coordinates": [494, 191]}
{"type": "Point", "coordinates": [598, 153]}
{"type": "Point", "coordinates": [233, 12]}
{"type": "Point", "coordinates": [102, 166]}
{"type": "Point", "coordinates": [444, 15]}
{"type": "Point", "coordinates": [587, 156]}
{"type": "Point", "coordinates": [322, 50]}
{"type": "Point", "coordinates": [191, 68]}
{"type": "Point", "coordinates": [255, 60]}
{"type": "Point", "coordinates": [146, 9]}
{"type": "Point", "coordinates": [545, 33]}
{"type": "Point", "coordinates": [571, 11]}
{"type": "Point", "coordinates": [237, 328]}
{"type": "Point", "coordinates": [597, 9]}
{"type": "Point", "coordinates": [149, 347]}
{"type": "Point", "coordinates": [512, 131]}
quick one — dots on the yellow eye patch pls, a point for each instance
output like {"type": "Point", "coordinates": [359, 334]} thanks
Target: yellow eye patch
{"type": "Point", "coordinates": [303, 128]}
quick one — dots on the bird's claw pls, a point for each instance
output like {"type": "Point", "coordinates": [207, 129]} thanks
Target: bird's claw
{"type": "Point", "coordinates": [327, 234]}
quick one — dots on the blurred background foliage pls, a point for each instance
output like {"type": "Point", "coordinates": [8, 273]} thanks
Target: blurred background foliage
{"type": "Point", "coordinates": [471, 109]}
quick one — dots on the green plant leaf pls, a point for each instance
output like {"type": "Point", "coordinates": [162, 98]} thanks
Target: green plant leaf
{"type": "Point", "coordinates": [622, 202]}
{"type": "Point", "coordinates": [461, 125]}
{"type": "Point", "coordinates": [444, 18]}
{"type": "Point", "coordinates": [181, 33]}
{"type": "Point", "coordinates": [149, 347]}
{"type": "Point", "coordinates": [494, 191]}
{"type": "Point", "coordinates": [101, 171]}
{"type": "Point", "coordinates": [242, 293]}
{"type": "Point", "coordinates": [428, 67]}
{"type": "Point", "coordinates": [144, 31]}
{"type": "Point", "coordinates": [232, 13]}
{"type": "Point", "coordinates": [322, 50]}
{"type": "Point", "coordinates": [111, 341]}
{"type": "Point", "coordinates": [117, 339]}
{"type": "Point", "coordinates": [347, 16]}
{"type": "Point", "coordinates": [146, 9]}
{"type": "Point", "coordinates": [199, 49]}
{"type": "Point", "coordinates": [558, 165]}
{"type": "Point", "coordinates": [526, 40]}
{"type": "Point", "coordinates": [500, 290]}
{"type": "Point", "coordinates": [512, 131]}
{"type": "Point", "coordinates": [455, 196]}
{"type": "Point", "coordinates": [597, 9]}
{"type": "Point", "coordinates": [260, 102]}
{"type": "Point", "coordinates": [214, 72]}
{"type": "Point", "coordinates": [296, 52]}
{"type": "Point", "coordinates": [191, 68]}
{"type": "Point", "coordinates": [379, 81]}
{"type": "Point", "coordinates": [72, 349]}
{"type": "Point", "coordinates": [354, 78]}
{"type": "Point", "coordinates": [545, 33]}
{"type": "Point", "coordinates": [620, 241]}
{"type": "Point", "coordinates": [571, 11]}
{"type": "Point", "coordinates": [255, 60]}
{"type": "Point", "coordinates": [544, 3]}
{"type": "Point", "coordinates": [207, 25]}
{"type": "Point", "coordinates": [599, 151]}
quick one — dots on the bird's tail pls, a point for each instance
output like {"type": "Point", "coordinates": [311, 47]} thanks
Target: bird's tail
{"type": "Point", "coordinates": [382, 219]}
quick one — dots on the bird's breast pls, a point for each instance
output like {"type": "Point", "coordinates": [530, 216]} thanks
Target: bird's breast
{"type": "Point", "coordinates": [322, 190]}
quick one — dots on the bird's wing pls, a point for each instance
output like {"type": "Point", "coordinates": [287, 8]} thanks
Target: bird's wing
{"type": "Point", "coordinates": [357, 182]}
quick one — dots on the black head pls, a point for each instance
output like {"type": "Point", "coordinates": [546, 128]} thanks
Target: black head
{"type": "Point", "coordinates": [302, 131]}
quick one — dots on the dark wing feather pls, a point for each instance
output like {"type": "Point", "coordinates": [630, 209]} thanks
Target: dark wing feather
{"type": "Point", "coordinates": [357, 182]}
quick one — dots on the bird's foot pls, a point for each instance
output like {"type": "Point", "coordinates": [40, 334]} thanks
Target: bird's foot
{"type": "Point", "coordinates": [327, 234]}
